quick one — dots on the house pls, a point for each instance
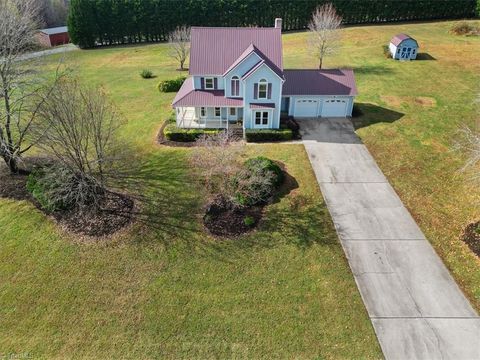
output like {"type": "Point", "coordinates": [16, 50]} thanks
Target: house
{"type": "Point", "coordinates": [237, 79]}
{"type": "Point", "coordinates": [403, 47]}
{"type": "Point", "coordinates": [53, 36]}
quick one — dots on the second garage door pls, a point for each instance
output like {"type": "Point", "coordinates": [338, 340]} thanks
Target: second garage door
{"type": "Point", "coordinates": [306, 108]}
{"type": "Point", "coordinates": [334, 108]}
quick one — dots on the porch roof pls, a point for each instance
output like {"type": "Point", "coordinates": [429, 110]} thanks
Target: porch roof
{"type": "Point", "coordinates": [188, 96]}
{"type": "Point", "coordinates": [262, 106]}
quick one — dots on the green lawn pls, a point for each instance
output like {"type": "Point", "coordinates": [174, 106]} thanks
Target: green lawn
{"type": "Point", "coordinates": [284, 291]}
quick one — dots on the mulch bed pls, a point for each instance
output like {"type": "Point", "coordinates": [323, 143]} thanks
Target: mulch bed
{"type": "Point", "coordinates": [224, 219]}
{"type": "Point", "coordinates": [115, 211]}
{"type": "Point", "coordinates": [13, 186]}
{"type": "Point", "coordinates": [471, 236]}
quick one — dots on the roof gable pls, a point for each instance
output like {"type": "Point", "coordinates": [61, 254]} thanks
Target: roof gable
{"type": "Point", "coordinates": [214, 50]}
{"type": "Point", "coordinates": [399, 38]}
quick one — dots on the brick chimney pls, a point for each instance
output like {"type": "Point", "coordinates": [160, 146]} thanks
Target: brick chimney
{"type": "Point", "coordinates": [278, 23]}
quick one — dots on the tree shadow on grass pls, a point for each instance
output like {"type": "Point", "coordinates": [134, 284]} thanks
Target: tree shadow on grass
{"type": "Point", "coordinates": [366, 114]}
{"type": "Point", "coordinates": [425, 56]}
{"type": "Point", "coordinates": [371, 69]}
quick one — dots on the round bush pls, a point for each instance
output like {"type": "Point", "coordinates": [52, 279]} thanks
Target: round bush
{"type": "Point", "coordinates": [146, 74]}
{"type": "Point", "coordinates": [266, 165]}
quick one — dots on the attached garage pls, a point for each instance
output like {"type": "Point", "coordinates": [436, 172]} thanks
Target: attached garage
{"type": "Point", "coordinates": [334, 108]}
{"type": "Point", "coordinates": [319, 93]}
{"type": "Point", "coordinates": [306, 107]}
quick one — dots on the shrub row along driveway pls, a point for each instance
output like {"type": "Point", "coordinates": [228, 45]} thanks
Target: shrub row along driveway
{"type": "Point", "coordinates": [416, 307]}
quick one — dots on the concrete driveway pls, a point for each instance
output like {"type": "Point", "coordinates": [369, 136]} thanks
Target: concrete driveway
{"type": "Point", "coordinates": [416, 308]}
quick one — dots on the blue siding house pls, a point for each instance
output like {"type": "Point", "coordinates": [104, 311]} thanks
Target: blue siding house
{"type": "Point", "coordinates": [237, 79]}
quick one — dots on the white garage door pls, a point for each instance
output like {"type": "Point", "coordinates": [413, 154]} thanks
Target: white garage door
{"type": "Point", "coordinates": [306, 107]}
{"type": "Point", "coordinates": [334, 108]}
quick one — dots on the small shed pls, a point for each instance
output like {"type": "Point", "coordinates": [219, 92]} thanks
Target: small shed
{"type": "Point", "coordinates": [53, 36]}
{"type": "Point", "coordinates": [403, 47]}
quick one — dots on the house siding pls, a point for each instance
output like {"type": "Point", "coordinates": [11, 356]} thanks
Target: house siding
{"type": "Point", "coordinates": [197, 81]}
{"type": "Point", "coordinates": [263, 72]}
{"type": "Point", "coordinates": [239, 71]}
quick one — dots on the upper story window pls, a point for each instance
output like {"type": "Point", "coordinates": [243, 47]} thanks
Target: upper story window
{"type": "Point", "coordinates": [262, 89]}
{"type": "Point", "coordinates": [209, 83]}
{"type": "Point", "coordinates": [235, 86]}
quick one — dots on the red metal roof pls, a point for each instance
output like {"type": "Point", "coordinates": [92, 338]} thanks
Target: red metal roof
{"type": "Point", "coordinates": [215, 49]}
{"type": "Point", "coordinates": [262, 105]}
{"type": "Point", "coordinates": [397, 39]}
{"type": "Point", "coordinates": [319, 82]}
{"type": "Point", "coordinates": [188, 96]}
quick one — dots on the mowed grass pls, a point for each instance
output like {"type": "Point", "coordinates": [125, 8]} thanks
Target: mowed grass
{"type": "Point", "coordinates": [169, 290]}
{"type": "Point", "coordinates": [412, 114]}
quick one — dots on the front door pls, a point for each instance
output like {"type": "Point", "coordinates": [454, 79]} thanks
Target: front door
{"type": "Point", "coordinates": [233, 114]}
{"type": "Point", "coordinates": [261, 119]}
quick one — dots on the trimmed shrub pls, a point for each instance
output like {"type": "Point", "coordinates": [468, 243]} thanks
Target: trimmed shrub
{"type": "Point", "coordinates": [171, 85]}
{"type": "Point", "coordinates": [146, 74]}
{"type": "Point", "coordinates": [256, 135]}
{"type": "Point", "coordinates": [174, 133]}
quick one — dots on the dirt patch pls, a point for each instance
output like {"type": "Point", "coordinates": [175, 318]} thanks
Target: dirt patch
{"type": "Point", "coordinates": [395, 101]}
{"type": "Point", "coordinates": [471, 236]}
{"type": "Point", "coordinates": [426, 101]}
{"type": "Point", "coordinates": [224, 219]}
{"type": "Point", "coordinates": [398, 101]}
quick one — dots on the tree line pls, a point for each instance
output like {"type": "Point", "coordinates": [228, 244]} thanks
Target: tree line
{"type": "Point", "coordinates": [107, 22]}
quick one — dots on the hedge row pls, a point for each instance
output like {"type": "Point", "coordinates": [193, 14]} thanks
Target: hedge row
{"type": "Point", "coordinates": [107, 22]}
{"type": "Point", "coordinates": [174, 133]}
{"type": "Point", "coordinates": [255, 135]}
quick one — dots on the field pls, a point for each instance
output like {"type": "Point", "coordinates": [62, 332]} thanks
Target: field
{"type": "Point", "coordinates": [284, 291]}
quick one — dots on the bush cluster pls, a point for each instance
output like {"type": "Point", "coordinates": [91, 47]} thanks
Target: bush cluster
{"type": "Point", "coordinates": [464, 28]}
{"type": "Point", "coordinates": [146, 74]}
{"type": "Point", "coordinates": [174, 133]}
{"type": "Point", "coordinates": [171, 85]}
{"type": "Point", "coordinates": [256, 135]}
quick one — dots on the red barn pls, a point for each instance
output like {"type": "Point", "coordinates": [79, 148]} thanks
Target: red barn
{"type": "Point", "coordinates": [53, 36]}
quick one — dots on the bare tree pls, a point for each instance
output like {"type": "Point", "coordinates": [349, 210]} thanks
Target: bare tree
{"type": "Point", "coordinates": [77, 126]}
{"type": "Point", "coordinates": [179, 40]}
{"type": "Point", "coordinates": [469, 143]}
{"type": "Point", "coordinates": [324, 31]}
{"type": "Point", "coordinates": [20, 82]}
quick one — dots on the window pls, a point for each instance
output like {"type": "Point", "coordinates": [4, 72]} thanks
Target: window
{"type": "Point", "coordinates": [235, 86]}
{"type": "Point", "coordinates": [261, 118]}
{"type": "Point", "coordinates": [233, 111]}
{"type": "Point", "coordinates": [209, 83]}
{"type": "Point", "coordinates": [262, 89]}
{"type": "Point", "coordinates": [203, 112]}
{"type": "Point", "coordinates": [217, 112]}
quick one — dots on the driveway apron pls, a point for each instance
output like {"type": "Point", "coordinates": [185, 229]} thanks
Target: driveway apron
{"type": "Point", "coordinates": [416, 308]}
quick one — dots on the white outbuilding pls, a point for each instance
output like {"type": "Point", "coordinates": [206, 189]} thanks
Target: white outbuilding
{"type": "Point", "coordinates": [403, 47]}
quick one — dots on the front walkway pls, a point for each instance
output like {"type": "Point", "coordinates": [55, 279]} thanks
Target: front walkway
{"type": "Point", "coordinates": [415, 306]}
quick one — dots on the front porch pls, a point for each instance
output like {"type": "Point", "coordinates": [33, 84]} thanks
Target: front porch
{"type": "Point", "coordinates": [209, 117]}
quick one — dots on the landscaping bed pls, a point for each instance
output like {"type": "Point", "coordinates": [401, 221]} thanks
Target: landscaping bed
{"type": "Point", "coordinates": [471, 236]}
